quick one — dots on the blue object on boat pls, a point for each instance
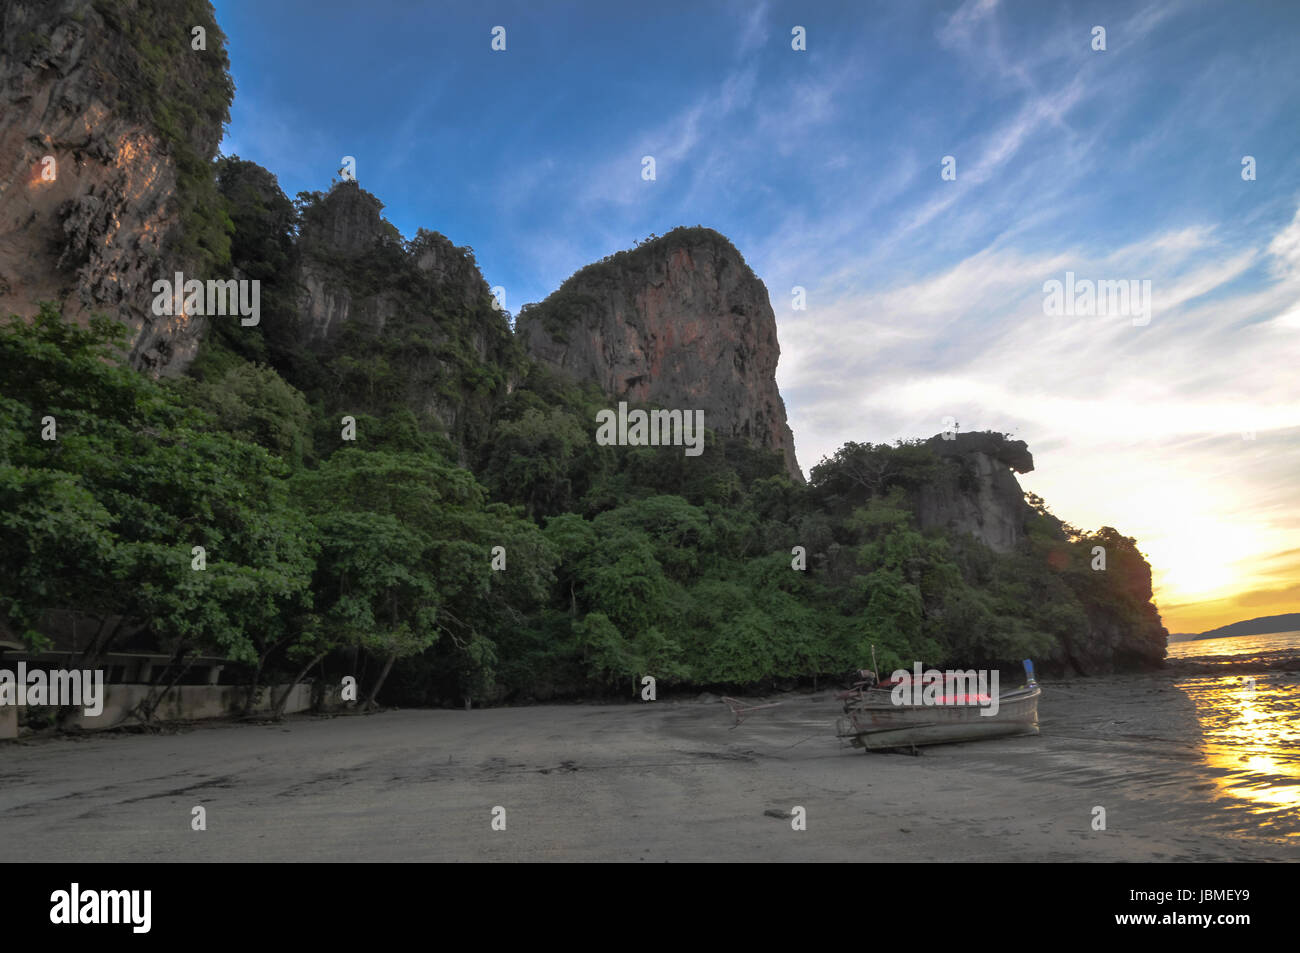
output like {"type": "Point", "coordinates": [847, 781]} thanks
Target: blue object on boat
{"type": "Point", "coordinates": [1029, 671]}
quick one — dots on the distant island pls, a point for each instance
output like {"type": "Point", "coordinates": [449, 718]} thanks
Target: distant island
{"type": "Point", "coordinates": [1264, 625]}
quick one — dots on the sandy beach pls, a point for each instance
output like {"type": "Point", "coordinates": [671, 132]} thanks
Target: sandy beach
{"type": "Point", "coordinates": [655, 781]}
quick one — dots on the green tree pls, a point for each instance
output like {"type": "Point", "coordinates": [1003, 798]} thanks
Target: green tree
{"type": "Point", "coordinates": [253, 403]}
{"type": "Point", "coordinates": [134, 481]}
{"type": "Point", "coordinates": [406, 558]}
{"type": "Point", "coordinates": [532, 459]}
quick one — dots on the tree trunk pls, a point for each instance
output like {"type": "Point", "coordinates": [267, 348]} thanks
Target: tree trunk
{"type": "Point", "coordinates": [98, 646]}
{"type": "Point", "coordinates": [278, 711]}
{"type": "Point", "coordinates": [90, 659]}
{"type": "Point", "coordinates": [252, 688]}
{"type": "Point", "coordinates": [379, 682]}
{"type": "Point", "coordinates": [151, 702]}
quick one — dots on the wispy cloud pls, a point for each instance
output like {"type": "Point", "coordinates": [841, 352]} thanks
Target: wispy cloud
{"type": "Point", "coordinates": [753, 30]}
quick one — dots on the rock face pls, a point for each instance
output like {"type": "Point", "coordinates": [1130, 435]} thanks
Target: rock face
{"type": "Point", "coordinates": [399, 323]}
{"type": "Point", "coordinates": [1122, 628]}
{"type": "Point", "coordinates": [980, 496]}
{"type": "Point", "coordinates": [348, 229]}
{"type": "Point", "coordinates": [682, 322]}
{"type": "Point", "coordinates": [1111, 643]}
{"type": "Point", "coordinates": [89, 226]}
{"type": "Point", "coordinates": [345, 229]}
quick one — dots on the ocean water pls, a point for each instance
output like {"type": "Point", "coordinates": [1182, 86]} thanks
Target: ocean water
{"type": "Point", "coordinates": [1250, 724]}
{"type": "Point", "coordinates": [1264, 648]}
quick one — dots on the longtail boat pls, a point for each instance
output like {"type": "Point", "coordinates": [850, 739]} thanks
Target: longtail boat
{"type": "Point", "coordinates": [875, 720]}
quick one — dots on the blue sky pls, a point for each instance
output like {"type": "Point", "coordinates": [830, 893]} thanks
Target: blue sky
{"type": "Point", "coordinates": [925, 296]}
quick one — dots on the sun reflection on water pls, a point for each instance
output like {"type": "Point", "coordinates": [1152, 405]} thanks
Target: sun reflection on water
{"type": "Point", "coordinates": [1252, 741]}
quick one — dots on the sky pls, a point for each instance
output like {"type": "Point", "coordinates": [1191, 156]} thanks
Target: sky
{"type": "Point", "coordinates": [926, 281]}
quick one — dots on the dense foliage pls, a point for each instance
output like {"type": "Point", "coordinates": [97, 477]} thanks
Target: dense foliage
{"type": "Point", "coordinates": [375, 556]}
{"type": "Point", "coordinates": [109, 480]}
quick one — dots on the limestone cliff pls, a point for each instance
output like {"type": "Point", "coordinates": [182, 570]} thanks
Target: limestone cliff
{"type": "Point", "coordinates": [681, 321]}
{"type": "Point", "coordinates": [100, 140]}
{"type": "Point", "coordinates": [976, 493]}
{"type": "Point", "coordinates": [338, 237]}
{"type": "Point", "coordinates": [979, 495]}
{"type": "Point", "coordinates": [396, 323]}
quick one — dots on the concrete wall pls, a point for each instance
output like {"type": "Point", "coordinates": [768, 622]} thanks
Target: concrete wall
{"type": "Point", "coordinates": [182, 703]}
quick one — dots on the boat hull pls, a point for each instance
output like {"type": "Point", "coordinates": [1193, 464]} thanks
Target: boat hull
{"type": "Point", "coordinates": [879, 725]}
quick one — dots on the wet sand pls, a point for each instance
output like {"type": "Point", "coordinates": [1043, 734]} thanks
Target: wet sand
{"type": "Point", "coordinates": [660, 781]}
